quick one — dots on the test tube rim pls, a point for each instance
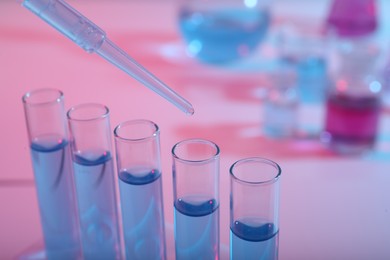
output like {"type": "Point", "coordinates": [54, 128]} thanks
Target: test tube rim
{"type": "Point", "coordinates": [26, 97]}
{"type": "Point", "coordinates": [104, 115]}
{"type": "Point", "coordinates": [215, 156]}
{"type": "Point", "coordinates": [258, 159]}
{"type": "Point", "coordinates": [128, 122]}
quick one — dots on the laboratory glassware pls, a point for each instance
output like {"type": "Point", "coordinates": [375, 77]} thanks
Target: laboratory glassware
{"type": "Point", "coordinates": [196, 199]}
{"type": "Point", "coordinates": [91, 38]}
{"type": "Point", "coordinates": [280, 103]}
{"type": "Point", "coordinates": [254, 209]}
{"type": "Point", "coordinates": [353, 101]}
{"type": "Point", "coordinates": [349, 18]}
{"type": "Point", "coordinates": [303, 48]}
{"type": "Point", "coordinates": [222, 31]}
{"type": "Point", "coordinates": [50, 155]}
{"type": "Point", "coordinates": [90, 130]}
{"type": "Point", "coordinates": [137, 145]}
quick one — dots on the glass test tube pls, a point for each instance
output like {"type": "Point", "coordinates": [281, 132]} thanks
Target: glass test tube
{"type": "Point", "coordinates": [254, 209]}
{"type": "Point", "coordinates": [196, 199]}
{"type": "Point", "coordinates": [50, 154]}
{"type": "Point", "coordinates": [94, 176]}
{"type": "Point", "coordinates": [137, 145]}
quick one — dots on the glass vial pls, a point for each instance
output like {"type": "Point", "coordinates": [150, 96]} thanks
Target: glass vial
{"type": "Point", "coordinates": [50, 155]}
{"type": "Point", "coordinates": [280, 104]}
{"type": "Point", "coordinates": [94, 176]}
{"type": "Point", "coordinates": [137, 145]}
{"type": "Point", "coordinates": [254, 209]}
{"type": "Point", "coordinates": [196, 199]}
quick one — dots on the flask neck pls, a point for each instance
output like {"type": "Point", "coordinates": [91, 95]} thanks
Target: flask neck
{"type": "Point", "coordinates": [352, 18]}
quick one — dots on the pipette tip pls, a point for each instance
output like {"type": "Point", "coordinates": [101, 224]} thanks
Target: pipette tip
{"type": "Point", "coordinates": [190, 111]}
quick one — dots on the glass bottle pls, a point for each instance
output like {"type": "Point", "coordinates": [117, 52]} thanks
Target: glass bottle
{"type": "Point", "coordinates": [353, 102]}
{"type": "Point", "coordinates": [280, 103]}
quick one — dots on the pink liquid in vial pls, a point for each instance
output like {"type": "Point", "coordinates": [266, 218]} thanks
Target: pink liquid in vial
{"type": "Point", "coordinates": [352, 122]}
{"type": "Point", "coordinates": [352, 17]}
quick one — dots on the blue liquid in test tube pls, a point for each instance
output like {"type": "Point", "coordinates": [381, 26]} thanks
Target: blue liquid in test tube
{"type": "Point", "coordinates": [53, 173]}
{"type": "Point", "coordinates": [143, 216]}
{"type": "Point", "coordinates": [53, 177]}
{"type": "Point", "coordinates": [137, 145]}
{"type": "Point", "coordinates": [195, 171]}
{"type": "Point", "coordinates": [197, 228]}
{"type": "Point", "coordinates": [95, 181]}
{"type": "Point", "coordinates": [254, 209]}
{"type": "Point", "coordinates": [94, 176]}
{"type": "Point", "coordinates": [253, 239]}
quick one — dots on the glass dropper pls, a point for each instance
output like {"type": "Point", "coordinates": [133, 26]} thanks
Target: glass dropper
{"type": "Point", "coordinates": [92, 39]}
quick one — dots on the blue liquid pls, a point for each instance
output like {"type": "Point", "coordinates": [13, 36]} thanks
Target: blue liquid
{"type": "Point", "coordinates": [253, 239]}
{"type": "Point", "coordinates": [94, 176]}
{"type": "Point", "coordinates": [197, 228]}
{"type": "Point", "coordinates": [57, 203]}
{"type": "Point", "coordinates": [142, 213]}
{"type": "Point", "coordinates": [218, 36]}
{"type": "Point", "coordinates": [312, 80]}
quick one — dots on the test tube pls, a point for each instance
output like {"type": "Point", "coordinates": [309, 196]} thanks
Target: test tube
{"type": "Point", "coordinates": [137, 145]}
{"type": "Point", "coordinates": [94, 177]}
{"type": "Point", "coordinates": [196, 199]}
{"type": "Point", "coordinates": [254, 209]}
{"type": "Point", "coordinates": [50, 155]}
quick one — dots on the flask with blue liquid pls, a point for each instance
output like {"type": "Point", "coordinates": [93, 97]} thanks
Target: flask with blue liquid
{"type": "Point", "coordinates": [223, 31]}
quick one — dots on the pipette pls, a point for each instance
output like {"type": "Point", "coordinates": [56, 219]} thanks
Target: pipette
{"type": "Point", "coordinates": [92, 39]}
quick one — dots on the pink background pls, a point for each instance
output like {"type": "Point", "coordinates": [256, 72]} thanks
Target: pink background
{"type": "Point", "coordinates": [331, 207]}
